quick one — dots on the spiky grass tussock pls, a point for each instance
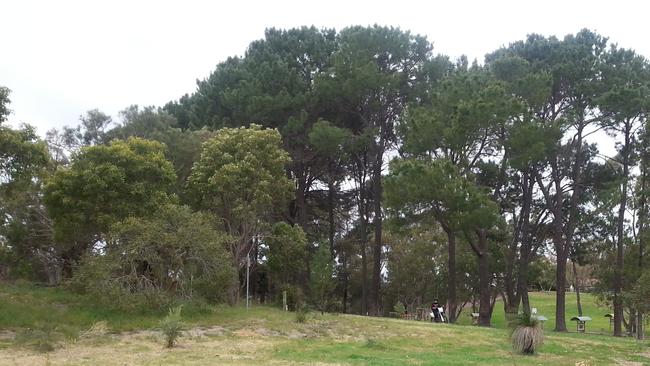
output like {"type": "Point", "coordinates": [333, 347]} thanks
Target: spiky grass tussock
{"type": "Point", "coordinates": [527, 335]}
{"type": "Point", "coordinates": [98, 329]}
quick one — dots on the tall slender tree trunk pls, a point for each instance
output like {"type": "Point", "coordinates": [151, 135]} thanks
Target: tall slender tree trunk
{"type": "Point", "coordinates": [526, 243]}
{"type": "Point", "coordinates": [576, 282]}
{"type": "Point", "coordinates": [331, 198]}
{"type": "Point", "coordinates": [301, 198]}
{"type": "Point", "coordinates": [364, 270]}
{"type": "Point", "coordinates": [643, 226]}
{"type": "Point", "coordinates": [485, 277]}
{"type": "Point", "coordinates": [345, 283]}
{"type": "Point", "coordinates": [620, 232]}
{"type": "Point", "coordinates": [561, 253]}
{"type": "Point", "coordinates": [451, 281]}
{"type": "Point", "coordinates": [563, 233]}
{"type": "Point", "coordinates": [375, 288]}
{"type": "Point", "coordinates": [560, 299]}
{"type": "Point", "coordinates": [363, 230]}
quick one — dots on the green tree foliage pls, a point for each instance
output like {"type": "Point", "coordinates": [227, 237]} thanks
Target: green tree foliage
{"type": "Point", "coordinates": [103, 185]}
{"type": "Point", "coordinates": [639, 296]}
{"type": "Point", "coordinates": [415, 263]}
{"type": "Point", "coordinates": [436, 188]}
{"type": "Point", "coordinates": [287, 253]}
{"type": "Point", "coordinates": [322, 282]}
{"type": "Point", "coordinates": [171, 254]}
{"type": "Point", "coordinates": [4, 103]}
{"type": "Point", "coordinates": [276, 85]}
{"type": "Point", "coordinates": [625, 102]}
{"type": "Point", "coordinates": [183, 147]}
{"type": "Point", "coordinates": [25, 239]}
{"type": "Point", "coordinates": [91, 130]}
{"type": "Point", "coordinates": [375, 74]}
{"type": "Point", "coordinates": [573, 66]}
{"type": "Point", "coordinates": [240, 177]}
{"type": "Point", "coordinates": [22, 154]}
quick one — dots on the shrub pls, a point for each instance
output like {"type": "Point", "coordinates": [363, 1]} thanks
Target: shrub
{"type": "Point", "coordinates": [301, 315]}
{"type": "Point", "coordinates": [155, 262]}
{"type": "Point", "coordinates": [399, 308]}
{"type": "Point", "coordinates": [295, 297]}
{"type": "Point", "coordinates": [322, 282]}
{"type": "Point", "coordinates": [528, 335]}
{"type": "Point", "coordinates": [172, 326]}
{"type": "Point", "coordinates": [44, 337]}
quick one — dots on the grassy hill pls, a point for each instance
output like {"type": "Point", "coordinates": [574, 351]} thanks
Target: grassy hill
{"type": "Point", "coordinates": [39, 318]}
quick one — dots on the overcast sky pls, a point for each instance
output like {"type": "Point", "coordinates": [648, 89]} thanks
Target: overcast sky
{"type": "Point", "coordinates": [62, 58]}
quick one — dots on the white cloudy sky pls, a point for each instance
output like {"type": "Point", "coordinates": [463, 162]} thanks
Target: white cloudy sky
{"type": "Point", "coordinates": [62, 58]}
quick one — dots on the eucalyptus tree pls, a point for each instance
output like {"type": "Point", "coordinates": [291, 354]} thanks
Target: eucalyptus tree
{"type": "Point", "coordinates": [103, 185]}
{"type": "Point", "coordinates": [182, 147]}
{"type": "Point", "coordinates": [241, 179]}
{"type": "Point", "coordinates": [25, 235]}
{"type": "Point", "coordinates": [4, 103]}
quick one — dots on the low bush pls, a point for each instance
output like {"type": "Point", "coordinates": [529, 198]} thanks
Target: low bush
{"type": "Point", "coordinates": [172, 326]}
{"type": "Point", "coordinates": [157, 262]}
{"type": "Point", "coordinates": [301, 316]}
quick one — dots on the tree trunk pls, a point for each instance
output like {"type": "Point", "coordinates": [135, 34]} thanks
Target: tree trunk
{"type": "Point", "coordinates": [576, 283]}
{"type": "Point", "coordinates": [345, 283]}
{"type": "Point", "coordinates": [364, 279]}
{"type": "Point", "coordinates": [451, 281]}
{"type": "Point", "coordinates": [526, 242]}
{"type": "Point", "coordinates": [375, 298]}
{"type": "Point", "coordinates": [561, 254]}
{"type": "Point", "coordinates": [620, 231]}
{"type": "Point", "coordinates": [301, 198]}
{"type": "Point", "coordinates": [363, 235]}
{"type": "Point", "coordinates": [331, 202]}
{"type": "Point", "coordinates": [485, 277]}
{"type": "Point", "coordinates": [560, 299]}
{"type": "Point", "coordinates": [522, 281]}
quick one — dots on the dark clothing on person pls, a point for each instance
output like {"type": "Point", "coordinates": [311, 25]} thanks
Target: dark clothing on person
{"type": "Point", "coordinates": [435, 311]}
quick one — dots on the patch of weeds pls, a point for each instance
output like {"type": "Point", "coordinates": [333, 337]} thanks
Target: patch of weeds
{"type": "Point", "coordinates": [41, 340]}
{"type": "Point", "coordinates": [374, 344]}
{"type": "Point", "coordinates": [301, 315]}
{"type": "Point", "coordinates": [98, 329]}
{"type": "Point", "coordinates": [96, 334]}
{"type": "Point", "coordinates": [45, 337]}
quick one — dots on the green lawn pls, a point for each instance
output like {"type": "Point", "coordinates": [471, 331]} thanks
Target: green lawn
{"type": "Point", "coordinates": [264, 335]}
{"type": "Point", "coordinates": [545, 304]}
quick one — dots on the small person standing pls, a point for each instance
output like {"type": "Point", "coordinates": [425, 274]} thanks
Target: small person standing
{"type": "Point", "coordinates": [435, 312]}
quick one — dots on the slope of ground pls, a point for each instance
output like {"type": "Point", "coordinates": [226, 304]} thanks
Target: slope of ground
{"type": "Point", "coordinates": [267, 336]}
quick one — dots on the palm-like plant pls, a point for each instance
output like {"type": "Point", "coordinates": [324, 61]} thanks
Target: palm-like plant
{"type": "Point", "coordinates": [172, 326]}
{"type": "Point", "coordinates": [527, 335]}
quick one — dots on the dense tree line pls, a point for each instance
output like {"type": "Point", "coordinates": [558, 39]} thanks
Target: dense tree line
{"type": "Point", "coordinates": [354, 170]}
